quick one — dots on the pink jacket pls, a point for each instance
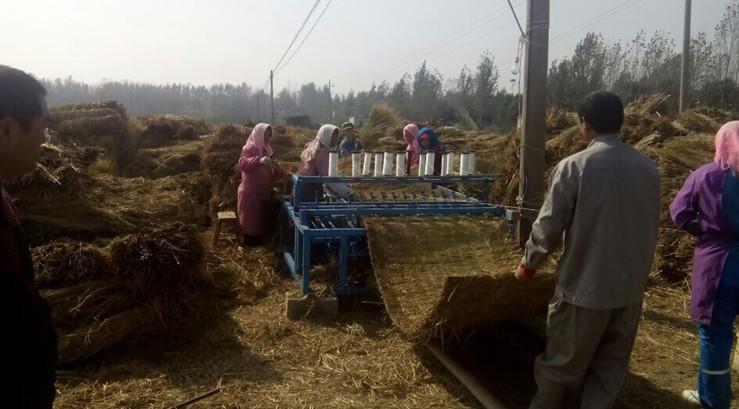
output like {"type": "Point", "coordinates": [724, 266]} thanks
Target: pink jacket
{"type": "Point", "coordinates": [255, 191]}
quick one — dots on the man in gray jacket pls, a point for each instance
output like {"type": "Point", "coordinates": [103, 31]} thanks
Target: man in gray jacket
{"type": "Point", "coordinates": [604, 202]}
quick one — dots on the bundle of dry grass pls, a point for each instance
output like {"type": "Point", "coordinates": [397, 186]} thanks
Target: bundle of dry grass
{"type": "Point", "coordinates": [66, 182]}
{"type": "Point", "coordinates": [559, 119]}
{"type": "Point", "coordinates": [84, 122]}
{"type": "Point", "coordinates": [153, 261]}
{"type": "Point", "coordinates": [172, 160]}
{"type": "Point", "coordinates": [103, 124]}
{"type": "Point", "coordinates": [219, 164]}
{"type": "Point", "coordinates": [288, 143]}
{"type": "Point", "coordinates": [140, 286]}
{"type": "Point", "coordinates": [64, 263]}
{"type": "Point", "coordinates": [70, 203]}
{"type": "Point", "coordinates": [440, 285]}
{"type": "Point", "coordinates": [161, 130]}
{"type": "Point", "coordinates": [383, 128]}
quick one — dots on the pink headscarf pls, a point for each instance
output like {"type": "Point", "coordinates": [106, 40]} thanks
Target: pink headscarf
{"type": "Point", "coordinates": [257, 139]}
{"type": "Point", "coordinates": [727, 146]}
{"type": "Point", "coordinates": [410, 133]}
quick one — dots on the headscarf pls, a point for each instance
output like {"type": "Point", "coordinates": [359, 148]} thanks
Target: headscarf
{"type": "Point", "coordinates": [410, 133]}
{"type": "Point", "coordinates": [323, 138]}
{"type": "Point", "coordinates": [727, 146]}
{"type": "Point", "coordinates": [428, 133]}
{"type": "Point", "coordinates": [257, 138]}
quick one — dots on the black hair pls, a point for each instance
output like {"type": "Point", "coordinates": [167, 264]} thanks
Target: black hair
{"type": "Point", "coordinates": [603, 111]}
{"type": "Point", "coordinates": [20, 96]}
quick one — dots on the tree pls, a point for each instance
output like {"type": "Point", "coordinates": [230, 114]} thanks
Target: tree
{"type": "Point", "coordinates": [486, 85]}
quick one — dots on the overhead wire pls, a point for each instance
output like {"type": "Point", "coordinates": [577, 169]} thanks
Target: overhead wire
{"type": "Point", "coordinates": [619, 8]}
{"type": "Point", "coordinates": [297, 34]}
{"type": "Point", "coordinates": [315, 23]}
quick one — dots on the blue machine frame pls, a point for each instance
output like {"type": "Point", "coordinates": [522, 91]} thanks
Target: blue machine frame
{"type": "Point", "coordinates": [337, 222]}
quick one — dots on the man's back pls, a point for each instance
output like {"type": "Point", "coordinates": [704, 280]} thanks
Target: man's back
{"type": "Point", "coordinates": [610, 243]}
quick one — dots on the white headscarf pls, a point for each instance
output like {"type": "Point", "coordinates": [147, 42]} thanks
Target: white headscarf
{"type": "Point", "coordinates": [323, 138]}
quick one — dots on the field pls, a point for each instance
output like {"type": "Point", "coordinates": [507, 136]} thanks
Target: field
{"type": "Point", "coordinates": [189, 316]}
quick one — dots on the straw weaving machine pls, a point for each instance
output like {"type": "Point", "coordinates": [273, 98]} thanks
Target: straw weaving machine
{"type": "Point", "coordinates": [323, 216]}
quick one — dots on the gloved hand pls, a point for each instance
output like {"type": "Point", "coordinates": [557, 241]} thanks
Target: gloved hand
{"type": "Point", "coordinates": [524, 273]}
{"type": "Point", "coordinates": [265, 160]}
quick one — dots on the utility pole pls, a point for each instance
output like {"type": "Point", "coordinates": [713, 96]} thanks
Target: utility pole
{"type": "Point", "coordinates": [531, 172]}
{"type": "Point", "coordinates": [329, 102]}
{"type": "Point", "coordinates": [259, 105]}
{"type": "Point", "coordinates": [272, 97]}
{"type": "Point", "coordinates": [685, 69]}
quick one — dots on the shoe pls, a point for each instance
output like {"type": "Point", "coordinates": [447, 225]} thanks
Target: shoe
{"type": "Point", "coordinates": [691, 396]}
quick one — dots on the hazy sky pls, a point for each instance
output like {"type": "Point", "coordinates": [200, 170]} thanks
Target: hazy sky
{"type": "Point", "coordinates": [356, 43]}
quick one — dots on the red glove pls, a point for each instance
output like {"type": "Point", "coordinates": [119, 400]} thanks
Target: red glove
{"type": "Point", "coordinates": [524, 273]}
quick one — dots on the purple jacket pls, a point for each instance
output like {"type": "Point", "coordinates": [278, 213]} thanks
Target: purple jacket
{"type": "Point", "coordinates": [700, 200]}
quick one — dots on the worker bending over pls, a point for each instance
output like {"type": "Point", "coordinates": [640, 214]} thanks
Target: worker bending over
{"type": "Point", "coordinates": [605, 202]}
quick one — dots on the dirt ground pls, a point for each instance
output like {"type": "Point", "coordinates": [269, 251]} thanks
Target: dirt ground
{"type": "Point", "coordinates": [262, 360]}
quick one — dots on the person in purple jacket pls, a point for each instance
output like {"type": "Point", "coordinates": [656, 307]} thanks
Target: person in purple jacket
{"type": "Point", "coordinates": [707, 206]}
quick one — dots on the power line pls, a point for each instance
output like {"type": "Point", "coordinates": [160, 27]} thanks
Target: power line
{"type": "Point", "coordinates": [300, 30]}
{"type": "Point", "coordinates": [315, 23]}
{"type": "Point", "coordinates": [488, 18]}
{"type": "Point", "coordinates": [619, 8]}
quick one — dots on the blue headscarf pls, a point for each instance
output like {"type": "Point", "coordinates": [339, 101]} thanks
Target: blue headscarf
{"type": "Point", "coordinates": [433, 139]}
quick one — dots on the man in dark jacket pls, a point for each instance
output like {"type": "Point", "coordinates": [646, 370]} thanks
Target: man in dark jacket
{"type": "Point", "coordinates": [29, 360]}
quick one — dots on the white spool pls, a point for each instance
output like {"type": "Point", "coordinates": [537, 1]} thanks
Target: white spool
{"type": "Point", "coordinates": [421, 164]}
{"type": "Point", "coordinates": [400, 164]}
{"type": "Point", "coordinates": [464, 164]}
{"type": "Point", "coordinates": [367, 164]}
{"type": "Point", "coordinates": [387, 164]}
{"type": "Point", "coordinates": [444, 158]}
{"type": "Point", "coordinates": [471, 169]}
{"type": "Point", "coordinates": [450, 163]}
{"type": "Point", "coordinates": [333, 163]}
{"type": "Point", "coordinates": [430, 162]}
{"type": "Point", "coordinates": [356, 164]}
{"type": "Point", "coordinates": [378, 164]}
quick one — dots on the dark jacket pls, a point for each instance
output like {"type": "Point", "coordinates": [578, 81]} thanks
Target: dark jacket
{"type": "Point", "coordinates": [30, 354]}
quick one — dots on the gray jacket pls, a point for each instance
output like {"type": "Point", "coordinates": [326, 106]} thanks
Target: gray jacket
{"type": "Point", "coordinates": [606, 201]}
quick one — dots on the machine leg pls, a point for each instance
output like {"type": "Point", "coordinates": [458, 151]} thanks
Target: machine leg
{"type": "Point", "coordinates": [344, 266]}
{"type": "Point", "coordinates": [306, 260]}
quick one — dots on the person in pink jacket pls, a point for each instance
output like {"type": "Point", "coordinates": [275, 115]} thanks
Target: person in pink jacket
{"type": "Point", "coordinates": [255, 195]}
{"type": "Point", "coordinates": [410, 136]}
{"type": "Point", "coordinates": [315, 159]}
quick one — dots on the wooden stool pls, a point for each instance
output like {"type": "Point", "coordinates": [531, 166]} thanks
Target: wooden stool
{"type": "Point", "coordinates": [224, 217]}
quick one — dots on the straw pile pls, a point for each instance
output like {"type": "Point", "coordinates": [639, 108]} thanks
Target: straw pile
{"type": "Point", "coordinates": [103, 124]}
{"type": "Point", "coordinates": [219, 164]}
{"type": "Point", "coordinates": [180, 158]}
{"type": "Point", "coordinates": [438, 285]}
{"type": "Point", "coordinates": [140, 286]}
{"type": "Point", "coordinates": [162, 130]}
{"type": "Point", "coordinates": [383, 130]}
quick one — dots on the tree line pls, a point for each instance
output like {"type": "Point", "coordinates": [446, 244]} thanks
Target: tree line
{"type": "Point", "coordinates": [646, 65]}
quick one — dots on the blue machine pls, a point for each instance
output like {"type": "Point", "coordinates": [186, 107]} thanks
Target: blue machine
{"type": "Point", "coordinates": [314, 216]}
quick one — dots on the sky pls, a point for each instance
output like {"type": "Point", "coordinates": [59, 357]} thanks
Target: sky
{"type": "Point", "coordinates": [355, 44]}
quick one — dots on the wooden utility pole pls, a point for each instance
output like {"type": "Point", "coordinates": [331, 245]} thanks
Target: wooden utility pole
{"type": "Point", "coordinates": [330, 117]}
{"type": "Point", "coordinates": [533, 134]}
{"type": "Point", "coordinates": [272, 97]}
{"type": "Point", "coordinates": [685, 69]}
